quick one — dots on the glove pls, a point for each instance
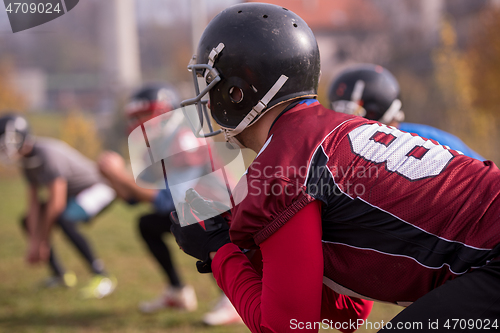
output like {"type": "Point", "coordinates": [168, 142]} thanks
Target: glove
{"type": "Point", "coordinates": [205, 236]}
{"type": "Point", "coordinates": [203, 211]}
{"type": "Point", "coordinates": [194, 240]}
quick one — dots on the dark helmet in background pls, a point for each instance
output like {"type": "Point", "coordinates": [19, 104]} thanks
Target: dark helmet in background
{"type": "Point", "coordinates": [253, 56]}
{"type": "Point", "coordinates": [150, 101]}
{"type": "Point", "coordinates": [14, 132]}
{"type": "Point", "coordinates": [367, 90]}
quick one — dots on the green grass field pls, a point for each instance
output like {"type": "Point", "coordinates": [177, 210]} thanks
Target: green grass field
{"type": "Point", "coordinates": [25, 308]}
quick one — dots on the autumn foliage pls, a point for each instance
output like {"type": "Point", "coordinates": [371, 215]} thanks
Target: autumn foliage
{"type": "Point", "coordinates": [466, 80]}
{"type": "Point", "coordinates": [10, 99]}
{"type": "Point", "coordinates": [80, 132]}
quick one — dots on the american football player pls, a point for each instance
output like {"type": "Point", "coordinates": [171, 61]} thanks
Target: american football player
{"type": "Point", "coordinates": [76, 193]}
{"type": "Point", "coordinates": [371, 91]}
{"type": "Point", "coordinates": [147, 103]}
{"type": "Point", "coordinates": [153, 103]}
{"type": "Point", "coordinates": [344, 210]}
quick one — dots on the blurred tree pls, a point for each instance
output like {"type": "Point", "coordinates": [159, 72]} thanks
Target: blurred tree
{"type": "Point", "coordinates": [466, 119]}
{"type": "Point", "coordinates": [116, 137]}
{"type": "Point", "coordinates": [483, 59]}
{"type": "Point", "coordinates": [419, 105]}
{"type": "Point", "coordinates": [80, 132]}
{"type": "Point", "coordinates": [165, 52]}
{"type": "Point", "coordinates": [10, 99]}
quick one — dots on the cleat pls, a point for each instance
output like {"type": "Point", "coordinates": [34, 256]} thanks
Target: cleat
{"type": "Point", "coordinates": [100, 286]}
{"type": "Point", "coordinates": [176, 298]}
{"type": "Point", "coordinates": [68, 280]}
{"type": "Point", "coordinates": [223, 313]}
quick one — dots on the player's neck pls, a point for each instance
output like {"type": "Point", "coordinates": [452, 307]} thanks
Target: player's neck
{"type": "Point", "coordinates": [255, 136]}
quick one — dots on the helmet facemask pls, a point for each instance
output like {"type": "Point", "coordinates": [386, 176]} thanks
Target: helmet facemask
{"type": "Point", "coordinates": [211, 78]}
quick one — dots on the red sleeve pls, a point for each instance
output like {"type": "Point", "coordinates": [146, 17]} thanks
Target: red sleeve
{"type": "Point", "coordinates": [290, 291]}
{"type": "Point", "coordinates": [343, 310]}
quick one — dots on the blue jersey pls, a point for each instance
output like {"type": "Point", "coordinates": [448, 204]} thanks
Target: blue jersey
{"type": "Point", "coordinates": [163, 202]}
{"type": "Point", "coordinates": [440, 136]}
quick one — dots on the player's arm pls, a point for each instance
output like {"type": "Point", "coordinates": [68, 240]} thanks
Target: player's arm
{"type": "Point", "coordinates": [128, 190]}
{"type": "Point", "coordinates": [56, 204]}
{"type": "Point", "coordinates": [33, 213]}
{"type": "Point", "coordinates": [291, 289]}
{"type": "Point", "coordinates": [138, 193]}
{"type": "Point", "coordinates": [112, 166]}
{"type": "Point", "coordinates": [40, 228]}
{"type": "Point", "coordinates": [343, 309]}
{"type": "Point", "coordinates": [289, 292]}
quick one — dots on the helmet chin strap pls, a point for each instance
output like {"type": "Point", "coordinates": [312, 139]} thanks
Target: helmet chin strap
{"type": "Point", "coordinates": [257, 111]}
{"type": "Point", "coordinates": [232, 139]}
{"type": "Point", "coordinates": [393, 113]}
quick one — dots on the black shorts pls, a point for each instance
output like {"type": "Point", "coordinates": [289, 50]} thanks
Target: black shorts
{"type": "Point", "coordinates": [469, 303]}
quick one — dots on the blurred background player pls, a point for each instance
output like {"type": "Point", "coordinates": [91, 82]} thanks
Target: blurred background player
{"type": "Point", "coordinates": [146, 104]}
{"type": "Point", "coordinates": [371, 91]}
{"type": "Point", "coordinates": [76, 194]}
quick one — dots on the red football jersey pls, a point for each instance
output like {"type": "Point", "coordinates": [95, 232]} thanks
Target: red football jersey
{"type": "Point", "coordinates": [401, 214]}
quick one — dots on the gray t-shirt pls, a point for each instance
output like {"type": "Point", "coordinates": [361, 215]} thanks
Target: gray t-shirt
{"type": "Point", "coordinates": [51, 158]}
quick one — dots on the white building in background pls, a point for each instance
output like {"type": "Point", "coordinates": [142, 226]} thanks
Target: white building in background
{"type": "Point", "coordinates": [121, 68]}
{"type": "Point", "coordinates": [31, 83]}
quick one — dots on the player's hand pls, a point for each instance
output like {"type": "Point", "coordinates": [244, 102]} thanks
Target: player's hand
{"type": "Point", "coordinates": [110, 162]}
{"type": "Point", "coordinates": [199, 239]}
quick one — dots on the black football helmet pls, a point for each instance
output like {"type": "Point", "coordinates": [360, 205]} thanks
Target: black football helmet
{"type": "Point", "coordinates": [265, 51]}
{"type": "Point", "coordinates": [150, 101]}
{"type": "Point", "coordinates": [367, 90]}
{"type": "Point", "coordinates": [14, 132]}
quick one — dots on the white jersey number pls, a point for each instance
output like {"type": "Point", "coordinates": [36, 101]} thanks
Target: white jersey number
{"type": "Point", "coordinates": [410, 156]}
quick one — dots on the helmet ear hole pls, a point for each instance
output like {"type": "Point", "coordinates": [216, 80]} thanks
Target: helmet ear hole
{"type": "Point", "coordinates": [236, 94]}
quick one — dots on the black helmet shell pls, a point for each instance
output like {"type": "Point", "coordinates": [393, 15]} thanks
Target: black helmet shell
{"type": "Point", "coordinates": [380, 90]}
{"type": "Point", "coordinates": [14, 131]}
{"type": "Point", "coordinates": [150, 96]}
{"type": "Point", "coordinates": [261, 43]}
